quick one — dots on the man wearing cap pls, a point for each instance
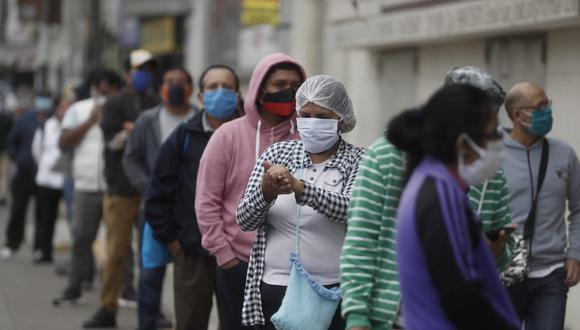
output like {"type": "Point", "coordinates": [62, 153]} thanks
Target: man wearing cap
{"type": "Point", "coordinates": [121, 200]}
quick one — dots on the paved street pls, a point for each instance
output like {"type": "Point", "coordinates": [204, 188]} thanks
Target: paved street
{"type": "Point", "coordinates": [26, 291]}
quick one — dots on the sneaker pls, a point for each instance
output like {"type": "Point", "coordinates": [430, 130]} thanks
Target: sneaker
{"type": "Point", "coordinates": [69, 297]}
{"type": "Point", "coordinates": [128, 298]}
{"type": "Point", "coordinates": [6, 253]}
{"type": "Point", "coordinates": [87, 285]}
{"type": "Point", "coordinates": [163, 323]}
{"type": "Point", "coordinates": [40, 258]}
{"type": "Point", "coordinates": [62, 270]}
{"type": "Point", "coordinates": [103, 318]}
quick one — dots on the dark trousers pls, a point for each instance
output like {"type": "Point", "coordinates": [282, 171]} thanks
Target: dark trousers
{"type": "Point", "coordinates": [87, 214]}
{"type": "Point", "coordinates": [23, 188]}
{"type": "Point", "coordinates": [193, 287]}
{"type": "Point", "coordinates": [149, 291]}
{"type": "Point", "coordinates": [272, 296]}
{"type": "Point", "coordinates": [541, 302]}
{"type": "Point", "coordinates": [230, 285]}
{"type": "Point", "coordinates": [48, 201]}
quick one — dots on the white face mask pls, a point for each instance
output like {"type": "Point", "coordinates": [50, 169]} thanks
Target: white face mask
{"type": "Point", "coordinates": [490, 160]}
{"type": "Point", "coordinates": [317, 134]}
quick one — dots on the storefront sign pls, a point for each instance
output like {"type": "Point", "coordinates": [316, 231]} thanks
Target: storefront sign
{"type": "Point", "coordinates": [257, 12]}
{"type": "Point", "coordinates": [158, 35]}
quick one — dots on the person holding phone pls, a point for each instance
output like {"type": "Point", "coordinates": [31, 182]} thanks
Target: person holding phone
{"type": "Point", "coordinates": [447, 274]}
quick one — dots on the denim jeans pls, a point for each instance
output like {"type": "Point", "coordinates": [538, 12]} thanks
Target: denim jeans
{"type": "Point", "coordinates": [541, 302]}
{"type": "Point", "coordinates": [149, 291]}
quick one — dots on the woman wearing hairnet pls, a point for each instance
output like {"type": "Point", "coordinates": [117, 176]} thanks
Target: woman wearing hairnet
{"type": "Point", "coordinates": [306, 182]}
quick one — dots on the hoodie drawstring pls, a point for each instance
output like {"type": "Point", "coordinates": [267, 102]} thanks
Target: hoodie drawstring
{"type": "Point", "coordinates": [292, 127]}
{"type": "Point", "coordinates": [258, 140]}
{"type": "Point", "coordinates": [259, 128]}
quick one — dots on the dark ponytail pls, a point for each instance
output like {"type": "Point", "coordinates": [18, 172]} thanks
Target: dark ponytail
{"type": "Point", "coordinates": [404, 131]}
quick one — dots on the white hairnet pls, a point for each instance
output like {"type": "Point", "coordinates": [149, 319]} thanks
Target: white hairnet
{"type": "Point", "coordinates": [328, 93]}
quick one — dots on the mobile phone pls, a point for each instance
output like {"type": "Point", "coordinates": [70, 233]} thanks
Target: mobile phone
{"type": "Point", "coordinates": [493, 235]}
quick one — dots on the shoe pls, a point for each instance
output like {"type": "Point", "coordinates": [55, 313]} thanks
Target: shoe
{"type": "Point", "coordinates": [87, 285]}
{"type": "Point", "coordinates": [103, 318]}
{"type": "Point", "coordinates": [69, 297]}
{"type": "Point", "coordinates": [6, 253]}
{"type": "Point", "coordinates": [62, 270]}
{"type": "Point", "coordinates": [163, 323]}
{"type": "Point", "coordinates": [40, 258]}
{"type": "Point", "coordinates": [128, 298]}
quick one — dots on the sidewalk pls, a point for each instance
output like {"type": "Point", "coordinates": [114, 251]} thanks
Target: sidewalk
{"type": "Point", "coordinates": [26, 293]}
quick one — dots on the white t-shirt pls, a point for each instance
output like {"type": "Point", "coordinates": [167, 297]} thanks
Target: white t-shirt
{"type": "Point", "coordinates": [88, 162]}
{"type": "Point", "coordinates": [320, 239]}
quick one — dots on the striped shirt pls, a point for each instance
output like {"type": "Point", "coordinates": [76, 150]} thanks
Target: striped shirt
{"type": "Point", "coordinates": [371, 292]}
{"type": "Point", "coordinates": [493, 210]}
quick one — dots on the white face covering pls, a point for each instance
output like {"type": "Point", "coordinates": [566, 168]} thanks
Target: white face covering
{"type": "Point", "coordinates": [490, 160]}
{"type": "Point", "coordinates": [317, 134]}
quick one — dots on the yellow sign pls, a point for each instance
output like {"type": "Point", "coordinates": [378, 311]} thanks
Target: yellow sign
{"type": "Point", "coordinates": [158, 35]}
{"type": "Point", "coordinates": [256, 12]}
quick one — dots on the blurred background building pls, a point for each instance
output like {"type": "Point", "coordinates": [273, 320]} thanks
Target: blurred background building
{"type": "Point", "coordinates": [390, 53]}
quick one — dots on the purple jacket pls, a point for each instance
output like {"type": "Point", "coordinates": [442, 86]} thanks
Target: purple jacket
{"type": "Point", "coordinates": [447, 273]}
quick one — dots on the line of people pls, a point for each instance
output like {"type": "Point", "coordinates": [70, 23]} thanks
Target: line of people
{"type": "Point", "coordinates": [445, 222]}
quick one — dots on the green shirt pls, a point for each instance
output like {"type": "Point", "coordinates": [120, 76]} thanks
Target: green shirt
{"type": "Point", "coordinates": [493, 210]}
{"type": "Point", "coordinates": [371, 293]}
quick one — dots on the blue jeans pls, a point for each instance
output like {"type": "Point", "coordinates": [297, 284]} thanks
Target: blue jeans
{"type": "Point", "coordinates": [541, 302]}
{"type": "Point", "coordinates": [149, 291]}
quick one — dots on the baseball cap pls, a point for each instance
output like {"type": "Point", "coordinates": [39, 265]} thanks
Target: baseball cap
{"type": "Point", "coordinates": [139, 57]}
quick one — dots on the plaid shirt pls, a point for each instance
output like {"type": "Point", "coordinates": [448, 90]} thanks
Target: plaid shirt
{"type": "Point", "coordinates": [253, 208]}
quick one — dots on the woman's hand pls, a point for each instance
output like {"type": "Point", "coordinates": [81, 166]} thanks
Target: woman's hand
{"type": "Point", "coordinates": [278, 180]}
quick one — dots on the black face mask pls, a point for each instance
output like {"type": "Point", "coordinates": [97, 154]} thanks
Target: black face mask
{"type": "Point", "coordinates": [176, 95]}
{"type": "Point", "coordinates": [281, 103]}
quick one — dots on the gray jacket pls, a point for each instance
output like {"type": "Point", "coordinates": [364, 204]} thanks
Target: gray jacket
{"type": "Point", "coordinates": [142, 148]}
{"type": "Point", "coordinates": [562, 183]}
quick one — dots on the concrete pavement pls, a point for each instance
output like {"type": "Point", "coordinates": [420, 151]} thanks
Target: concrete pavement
{"type": "Point", "coordinates": [26, 292]}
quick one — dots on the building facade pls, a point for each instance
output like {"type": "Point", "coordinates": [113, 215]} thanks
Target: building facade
{"type": "Point", "coordinates": [394, 53]}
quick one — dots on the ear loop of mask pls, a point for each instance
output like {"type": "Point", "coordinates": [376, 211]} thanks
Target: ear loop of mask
{"type": "Point", "coordinates": [480, 151]}
{"type": "Point", "coordinates": [529, 115]}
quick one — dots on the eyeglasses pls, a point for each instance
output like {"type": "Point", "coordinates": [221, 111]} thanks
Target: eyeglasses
{"type": "Point", "coordinates": [539, 107]}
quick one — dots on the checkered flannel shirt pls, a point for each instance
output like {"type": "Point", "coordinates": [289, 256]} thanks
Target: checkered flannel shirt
{"type": "Point", "coordinates": [252, 210]}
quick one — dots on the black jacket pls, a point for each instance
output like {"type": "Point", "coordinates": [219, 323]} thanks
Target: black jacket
{"type": "Point", "coordinates": [169, 206]}
{"type": "Point", "coordinates": [19, 144]}
{"type": "Point", "coordinates": [124, 106]}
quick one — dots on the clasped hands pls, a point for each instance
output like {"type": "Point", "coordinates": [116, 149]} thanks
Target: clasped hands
{"type": "Point", "coordinates": [277, 180]}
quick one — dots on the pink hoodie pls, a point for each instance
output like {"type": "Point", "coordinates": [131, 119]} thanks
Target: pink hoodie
{"type": "Point", "coordinates": [225, 169]}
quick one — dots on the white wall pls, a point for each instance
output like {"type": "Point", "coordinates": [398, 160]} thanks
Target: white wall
{"type": "Point", "coordinates": [361, 78]}
{"type": "Point", "coordinates": [435, 61]}
{"type": "Point", "coordinates": [306, 34]}
{"type": "Point", "coordinates": [563, 85]}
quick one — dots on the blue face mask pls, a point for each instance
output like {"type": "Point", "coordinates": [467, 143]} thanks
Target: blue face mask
{"type": "Point", "coordinates": [141, 80]}
{"type": "Point", "coordinates": [42, 103]}
{"type": "Point", "coordinates": [221, 103]}
{"type": "Point", "coordinates": [541, 122]}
